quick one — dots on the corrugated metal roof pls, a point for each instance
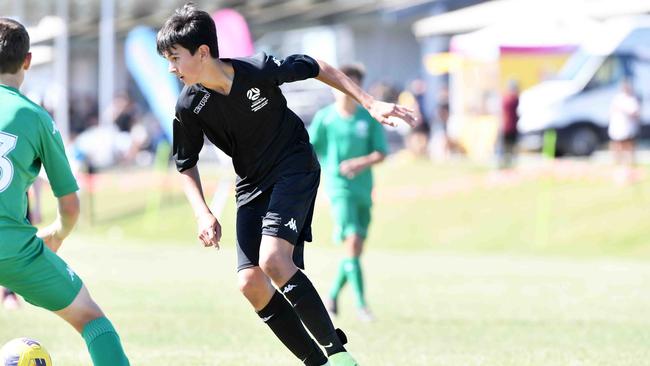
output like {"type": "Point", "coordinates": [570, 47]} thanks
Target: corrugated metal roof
{"type": "Point", "coordinates": [85, 14]}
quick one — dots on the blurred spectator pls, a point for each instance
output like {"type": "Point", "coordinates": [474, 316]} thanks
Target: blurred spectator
{"type": "Point", "coordinates": [508, 131]}
{"type": "Point", "coordinates": [419, 89]}
{"type": "Point", "coordinates": [132, 138]}
{"type": "Point", "coordinates": [440, 143]}
{"type": "Point", "coordinates": [416, 139]}
{"type": "Point", "coordinates": [124, 112]}
{"type": "Point", "coordinates": [624, 124]}
{"type": "Point", "coordinates": [99, 147]}
{"type": "Point", "coordinates": [145, 135]}
{"type": "Point", "coordinates": [383, 91]}
{"type": "Point", "coordinates": [83, 112]}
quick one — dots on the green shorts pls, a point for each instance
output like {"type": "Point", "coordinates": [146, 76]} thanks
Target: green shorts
{"type": "Point", "coordinates": [351, 216]}
{"type": "Point", "coordinates": [40, 276]}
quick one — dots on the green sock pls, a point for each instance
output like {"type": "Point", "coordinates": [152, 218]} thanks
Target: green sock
{"type": "Point", "coordinates": [104, 343]}
{"type": "Point", "coordinates": [355, 277]}
{"type": "Point", "coordinates": [339, 281]}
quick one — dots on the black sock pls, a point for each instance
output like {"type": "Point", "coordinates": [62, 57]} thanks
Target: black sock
{"type": "Point", "coordinates": [308, 305]}
{"type": "Point", "coordinates": [283, 321]}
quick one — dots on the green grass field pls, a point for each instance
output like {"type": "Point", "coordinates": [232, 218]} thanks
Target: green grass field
{"type": "Point", "coordinates": [462, 268]}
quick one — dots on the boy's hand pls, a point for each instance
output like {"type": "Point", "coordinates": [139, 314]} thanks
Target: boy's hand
{"type": "Point", "coordinates": [51, 236]}
{"type": "Point", "coordinates": [382, 111]}
{"type": "Point", "coordinates": [351, 167]}
{"type": "Point", "coordinates": [209, 230]}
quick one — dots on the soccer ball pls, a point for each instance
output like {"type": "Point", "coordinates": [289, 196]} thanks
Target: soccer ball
{"type": "Point", "coordinates": [24, 352]}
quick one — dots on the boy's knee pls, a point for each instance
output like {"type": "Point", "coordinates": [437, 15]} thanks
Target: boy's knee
{"type": "Point", "coordinates": [81, 311]}
{"type": "Point", "coordinates": [354, 245]}
{"type": "Point", "coordinates": [80, 316]}
{"type": "Point", "coordinates": [251, 282]}
{"type": "Point", "coordinates": [88, 311]}
{"type": "Point", "coordinates": [90, 315]}
{"type": "Point", "coordinates": [273, 264]}
{"type": "Point", "coordinates": [255, 287]}
{"type": "Point", "coordinates": [276, 259]}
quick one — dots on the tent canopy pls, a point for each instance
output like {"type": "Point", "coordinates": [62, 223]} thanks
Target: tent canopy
{"type": "Point", "coordinates": [529, 36]}
{"type": "Point", "coordinates": [503, 11]}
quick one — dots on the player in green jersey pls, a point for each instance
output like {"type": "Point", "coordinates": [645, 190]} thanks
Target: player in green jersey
{"type": "Point", "coordinates": [349, 141]}
{"type": "Point", "coordinates": [28, 261]}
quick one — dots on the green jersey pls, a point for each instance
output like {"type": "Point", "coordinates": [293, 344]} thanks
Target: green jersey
{"type": "Point", "coordinates": [28, 139]}
{"type": "Point", "coordinates": [337, 138]}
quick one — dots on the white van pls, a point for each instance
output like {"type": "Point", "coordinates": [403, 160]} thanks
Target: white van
{"type": "Point", "coordinates": [576, 103]}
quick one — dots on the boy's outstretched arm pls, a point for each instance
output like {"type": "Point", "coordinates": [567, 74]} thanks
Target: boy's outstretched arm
{"type": "Point", "coordinates": [209, 229]}
{"type": "Point", "coordinates": [381, 111]}
{"type": "Point", "coordinates": [66, 218]}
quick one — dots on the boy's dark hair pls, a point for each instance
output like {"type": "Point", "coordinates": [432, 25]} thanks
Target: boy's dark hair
{"type": "Point", "coordinates": [190, 28]}
{"type": "Point", "coordinates": [354, 71]}
{"type": "Point", "coordinates": [14, 45]}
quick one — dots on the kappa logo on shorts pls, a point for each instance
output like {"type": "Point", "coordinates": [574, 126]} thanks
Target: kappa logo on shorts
{"type": "Point", "coordinates": [70, 272]}
{"type": "Point", "coordinates": [54, 129]}
{"type": "Point", "coordinates": [292, 225]}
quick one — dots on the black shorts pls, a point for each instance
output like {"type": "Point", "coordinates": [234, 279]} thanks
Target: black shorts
{"type": "Point", "coordinates": [285, 210]}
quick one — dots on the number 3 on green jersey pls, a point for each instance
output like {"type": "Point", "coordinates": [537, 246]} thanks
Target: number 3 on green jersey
{"type": "Point", "coordinates": [7, 143]}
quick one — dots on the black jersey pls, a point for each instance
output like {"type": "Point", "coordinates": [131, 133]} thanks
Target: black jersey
{"type": "Point", "coordinates": [252, 124]}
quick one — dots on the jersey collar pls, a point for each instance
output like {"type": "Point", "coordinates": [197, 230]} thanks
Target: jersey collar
{"type": "Point", "coordinates": [9, 88]}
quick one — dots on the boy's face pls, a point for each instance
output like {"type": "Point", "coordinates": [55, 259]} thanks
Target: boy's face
{"type": "Point", "coordinates": [184, 65]}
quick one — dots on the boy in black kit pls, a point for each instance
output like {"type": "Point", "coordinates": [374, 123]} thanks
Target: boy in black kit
{"type": "Point", "coordinates": [238, 105]}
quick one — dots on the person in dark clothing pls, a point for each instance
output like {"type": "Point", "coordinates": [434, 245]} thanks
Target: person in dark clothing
{"type": "Point", "coordinates": [238, 105]}
{"type": "Point", "coordinates": [508, 133]}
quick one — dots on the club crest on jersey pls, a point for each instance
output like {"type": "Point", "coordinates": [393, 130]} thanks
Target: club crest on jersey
{"type": "Point", "coordinates": [362, 127]}
{"type": "Point", "coordinates": [258, 101]}
{"type": "Point", "coordinates": [253, 94]}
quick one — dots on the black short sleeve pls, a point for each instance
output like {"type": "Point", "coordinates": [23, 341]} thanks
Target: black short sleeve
{"type": "Point", "coordinates": [188, 140]}
{"type": "Point", "coordinates": [292, 68]}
